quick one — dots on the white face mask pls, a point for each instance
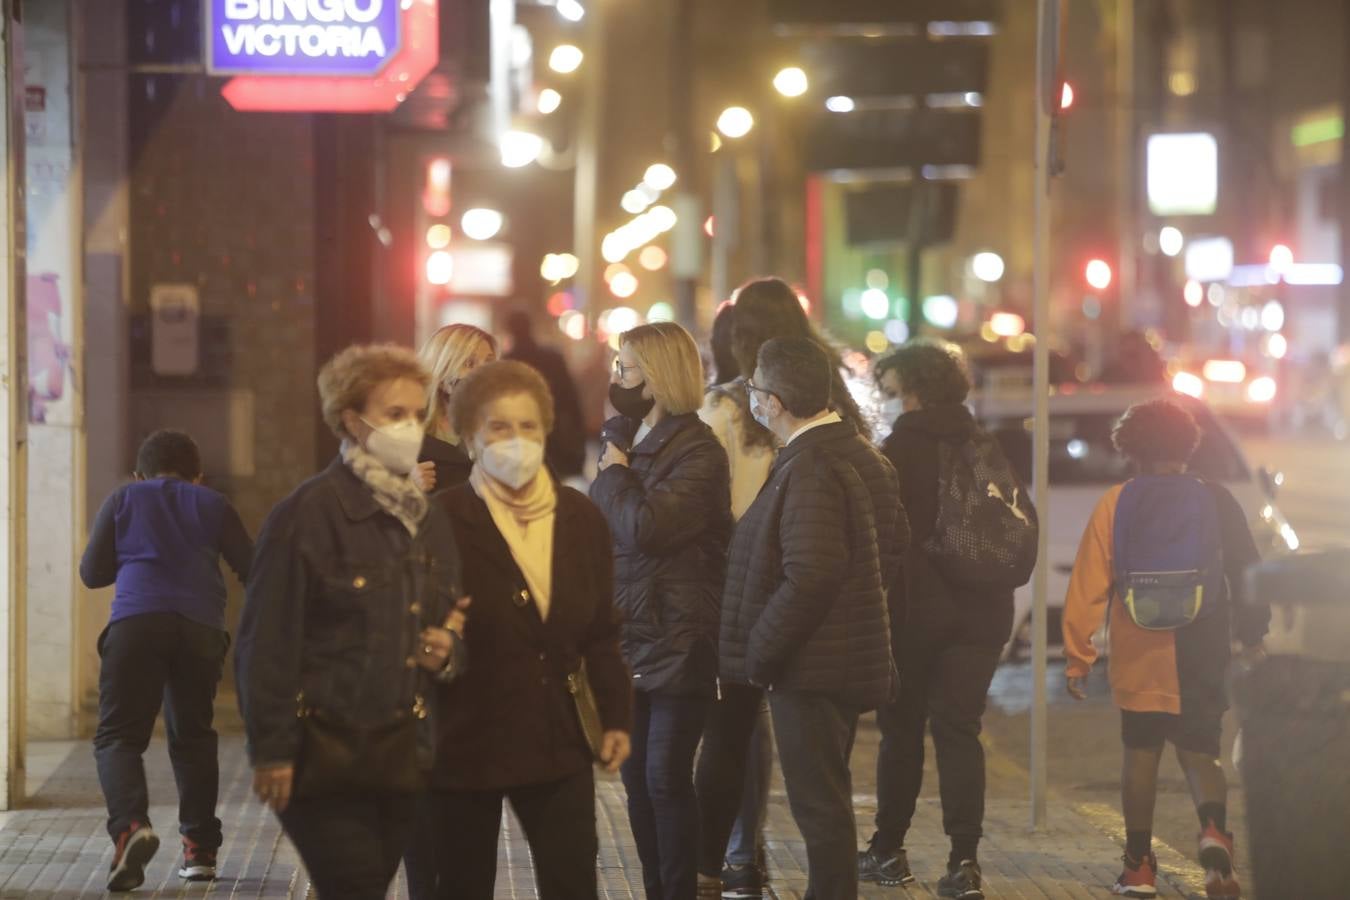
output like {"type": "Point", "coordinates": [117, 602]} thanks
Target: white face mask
{"type": "Point", "coordinates": [892, 409]}
{"type": "Point", "coordinates": [397, 445]}
{"type": "Point", "coordinates": [514, 463]}
{"type": "Point", "coordinates": [758, 412]}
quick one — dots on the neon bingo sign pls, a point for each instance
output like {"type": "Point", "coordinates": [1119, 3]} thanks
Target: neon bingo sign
{"type": "Point", "coordinates": [321, 55]}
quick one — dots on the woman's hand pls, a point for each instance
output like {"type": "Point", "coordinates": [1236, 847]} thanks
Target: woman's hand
{"type": "Point", "coordinates": [1076, 685]}
{"type": "Point", "coordinates": [612, 456]}
{"type": "Point", "coordinates": [436, 643]}
{"type": "Point", "coordinates": [272, 784]}
{"type": "Point", "coordinates": [614, 750]}
{"type": "Point", "coordinates": [424, 476]}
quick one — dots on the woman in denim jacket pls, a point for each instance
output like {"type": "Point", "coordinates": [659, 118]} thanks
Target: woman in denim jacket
{"type": "Point", "coordinates": [353, 604]}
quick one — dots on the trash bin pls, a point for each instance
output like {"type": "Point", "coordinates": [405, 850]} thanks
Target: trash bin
{"type": "Point", "coordinates": [1295, 714]}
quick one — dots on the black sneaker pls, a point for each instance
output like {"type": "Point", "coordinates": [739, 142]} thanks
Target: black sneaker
{"type": "Point", "coordinates": [199, 864]}
{"type": "Point", "coordinates": [962, 883]}
{"type": "Point", "coordinates": [742, 883]}
{"type": "Point", "coordinates": [889, 868]}
{"type": "Point", "coordinates": [135, 847]}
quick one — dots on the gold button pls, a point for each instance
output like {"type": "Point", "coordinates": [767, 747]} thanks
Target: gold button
{"type": "Point", "coordinates": [359, 582]}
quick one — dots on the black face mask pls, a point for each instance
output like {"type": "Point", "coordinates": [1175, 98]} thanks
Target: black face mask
{"type": "Point", "coordinates": [629, 401]}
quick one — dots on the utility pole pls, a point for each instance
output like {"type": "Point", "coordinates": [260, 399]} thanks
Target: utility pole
{"type": "Point", "coordinates": [1126, 201]}
{"type": "Point", "coordinates": [1047, 100]}
{"type": "Point", "coordinates": [686, 261]}
{"type": "Point", "coordinates": [587, 185]}
{"type": "Point", "coordinates": [1343, 317]}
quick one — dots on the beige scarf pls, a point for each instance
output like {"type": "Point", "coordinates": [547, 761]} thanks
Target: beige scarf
{"type": "Point", "coordinates": [396, 495]}
{"type": "Point", "coordinates": [526, 524]}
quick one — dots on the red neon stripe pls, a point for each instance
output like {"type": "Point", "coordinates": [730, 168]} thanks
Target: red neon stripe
{"type": "Point", "coordinates": [407, 68]}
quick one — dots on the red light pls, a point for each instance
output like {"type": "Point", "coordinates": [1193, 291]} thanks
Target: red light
{"type": "Point", "coordinates": [559, 303]}
{"type": "Point", "coordinates": [1098, 274]}
{"type": "Point", "coordinates": [1066, 96]}
{"type": "Point", "coordinates": [383, 93]}
{"type": "Point", "coordinates": [436, 195]}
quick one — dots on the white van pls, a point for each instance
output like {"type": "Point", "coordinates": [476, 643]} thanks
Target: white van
{"type": "Point", "coordinates": [1083, 465]}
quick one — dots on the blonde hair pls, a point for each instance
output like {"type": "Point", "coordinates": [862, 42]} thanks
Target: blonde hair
{"type": "Point", "coordinates": [669, 359]}
{"type": "Point", "coordinates": [498, 379]}
{"type": "Point", "coordinates": [444, 355]}
{"type": "Point", "coordinates": [347, 380]}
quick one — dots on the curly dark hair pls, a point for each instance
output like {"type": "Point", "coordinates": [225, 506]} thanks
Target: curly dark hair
{"type": "Point", "coordinates": [934, 372]}
{"type": "Point", "coordinates": [1156, 432]}
{"type": "Point", "coordinates": [169, 452]}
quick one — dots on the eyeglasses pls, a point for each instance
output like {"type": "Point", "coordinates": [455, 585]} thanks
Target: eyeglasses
{"type": "Point", "coordinates": [621, 370]}
{"type": "Point", "coordinates": [755, 389]}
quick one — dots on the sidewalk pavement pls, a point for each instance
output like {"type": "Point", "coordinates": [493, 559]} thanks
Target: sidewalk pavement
{"type": "Point", "coordinates": [57, 847]}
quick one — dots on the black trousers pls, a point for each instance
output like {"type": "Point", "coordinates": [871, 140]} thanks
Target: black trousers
{"type": "Point", "coordinates": [658, 777]}
{"type": "Point", "coordinates": [815, 736]}
{"type": "Point", "coordinates": [559, 823]}
{"type": "Point", "coordinates": [946, 667]}
{"type": "Point", "coordinates": [148, 660]}
{"type": "Point", "coordinates": [719, 777]}
{"type": "Point", "coordinates": [351, 844]}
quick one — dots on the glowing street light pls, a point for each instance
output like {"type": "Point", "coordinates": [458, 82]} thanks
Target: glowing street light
{"type": "Point", "coordinates": [549, 101]}
{"type": "Point", "coordinates": [482, 224]}
{"type": "Point", "coordinates": [520, 148]}
{"type": "Point", "coordinates": [440, 267]}
{"type": "Point", "coordinates": [735, 122]}
{"type": "Point", "coordinates": [1098, 274]}
{"type": "Point", "coordinates": [840, 104]}
{"type": "Point", "coordinates": [987, 266]}
{"type": "Point", "coordinates": [1281, 259]}
{"type": "Point", "coordinates": [659, 177]}
{"type": "Point", "coordinates": [1171, 241]}
{"type": "Point", "coordinates": [565, 59]}
{"type": "Point", "coordinates": [571, 10]}
{"type": "Point", "coordinates": [791, 82]}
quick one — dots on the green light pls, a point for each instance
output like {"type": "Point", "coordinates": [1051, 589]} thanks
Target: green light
{"type": "Point", "coordinates": [1318, 131]}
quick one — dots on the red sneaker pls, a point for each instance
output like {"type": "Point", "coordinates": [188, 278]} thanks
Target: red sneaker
{"type": "Point", "coordinates": [1216, 855]}
{"type": "Point", "coordinates": [134, 848]}
{"type": "Point", "coordinates": [1138, 879]}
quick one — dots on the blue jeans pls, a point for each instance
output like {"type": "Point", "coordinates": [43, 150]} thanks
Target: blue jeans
{"type": "Point", "coordinates": [747, 839]}
{"type": "Point", "coordinates": [658, 776]}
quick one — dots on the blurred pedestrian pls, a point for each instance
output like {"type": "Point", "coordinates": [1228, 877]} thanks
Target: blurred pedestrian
{"type": "Point", "coordinates": [664, 487]}
{"type": "Point", "coordinates": [949, 631]}
{"type": "Point", "coordinates": [449, 355]}
{"type": "Point", "coordinates": [546, 693]}
{"type": "Point", "coordinates": [732, 849]}
{"type": "Point", "coordinates": [1163, 558]}
{"type": "Point", "coordinates": [160, 540]}
{"type": "Point", "coordinates": [566, 450]}
{"type": "Point", "coordinates": [804, 609]}
{"type": "Point", "coordinates": [353, 604]}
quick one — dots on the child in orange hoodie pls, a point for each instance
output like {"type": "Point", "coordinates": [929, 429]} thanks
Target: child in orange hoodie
{"type": "Point", "coordinates": [1169, 684]}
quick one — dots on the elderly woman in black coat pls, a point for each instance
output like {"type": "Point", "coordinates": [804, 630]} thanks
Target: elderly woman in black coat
{"type": "Point", "coordinates": [517, 725]}
{"type": "Point", "coordinates": [664, 486]}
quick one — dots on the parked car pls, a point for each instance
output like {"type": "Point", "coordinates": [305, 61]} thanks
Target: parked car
{"type": "Point", "coordinates": [1083, 464]}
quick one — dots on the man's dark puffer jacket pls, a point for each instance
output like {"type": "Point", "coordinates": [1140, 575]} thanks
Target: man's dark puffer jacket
{"type": "Point", "coordinates": [669, 510]}
{"type": "Point", "coordinates": [804, 608]}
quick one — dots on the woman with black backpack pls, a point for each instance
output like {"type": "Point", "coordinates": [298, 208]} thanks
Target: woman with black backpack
{"type": "Point", "coordinates": [947, 636]}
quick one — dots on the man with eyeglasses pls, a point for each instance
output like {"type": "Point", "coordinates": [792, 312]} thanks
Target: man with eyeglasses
{"type": "Point", "coordinates": [804, 613]}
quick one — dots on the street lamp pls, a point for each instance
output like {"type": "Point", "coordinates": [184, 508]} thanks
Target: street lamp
{"type": "Point", "coordinates": [482, 224]}
{"type": "Point", "coordinates": [565, 59]}
{"type": "Point", "coordinates": [987, 266]}
{"type": "Point", "coordinates": [791, 82]}
{"type": "Point", "coordinates": [735, 122]}
{"type": "Point", "coordinates": [520, 148]}
{"type": "Point", "coordinates": [659, 177]}
{"type": "Point", "coordinates": [549, 101]}
{"type": "Point", "coordinates": [840, 104]}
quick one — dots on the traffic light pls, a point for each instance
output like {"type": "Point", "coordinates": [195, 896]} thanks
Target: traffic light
{"type": "Point", "coordinates": [436, 263]}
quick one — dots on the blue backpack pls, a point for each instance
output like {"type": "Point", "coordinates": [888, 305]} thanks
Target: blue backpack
{"type": "Point", "coordinates": [1168, 553]}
